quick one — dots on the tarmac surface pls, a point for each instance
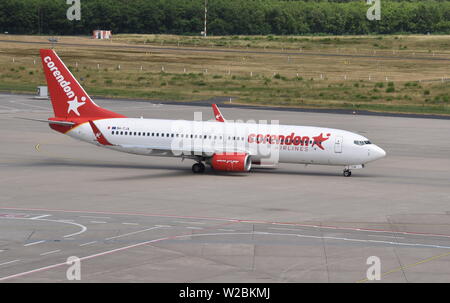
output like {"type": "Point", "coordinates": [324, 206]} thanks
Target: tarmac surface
{"type": "Point", "coordinates": [143, 219]}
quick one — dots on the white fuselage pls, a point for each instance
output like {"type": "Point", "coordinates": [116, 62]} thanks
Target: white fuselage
{"type": "Point", "coordinates": [266, 143]}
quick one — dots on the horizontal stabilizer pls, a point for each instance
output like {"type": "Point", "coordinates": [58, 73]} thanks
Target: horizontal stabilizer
{"type": "Point", "coordinates": [66, 123]}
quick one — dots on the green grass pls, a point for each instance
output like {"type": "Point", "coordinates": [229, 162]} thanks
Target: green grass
{"type": "Point", "coordinates": [381, 43]}
{"type": "Point", "coordinates": [257, 94]}
{"type": "Point", "coordinates": [14, 87]}
{"type": "Point", "coordinates": [273, 80]}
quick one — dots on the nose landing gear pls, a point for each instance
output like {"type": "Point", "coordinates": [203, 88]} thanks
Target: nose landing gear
{"type": "Point", "coordinates": [347, 172]}
{"type": "Point", "coordinates": [198, 168]}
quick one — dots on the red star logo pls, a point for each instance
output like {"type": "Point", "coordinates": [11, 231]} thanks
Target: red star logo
{"type": "Point", "coordinates": [319, 139]}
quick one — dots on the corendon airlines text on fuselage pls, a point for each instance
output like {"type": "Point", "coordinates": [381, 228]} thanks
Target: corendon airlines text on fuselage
{"type": "Point", "coordinates": [291, 139]}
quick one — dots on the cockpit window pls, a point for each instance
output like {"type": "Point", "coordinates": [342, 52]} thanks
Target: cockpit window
{"type": "Point", "coordinates": [357, 142]}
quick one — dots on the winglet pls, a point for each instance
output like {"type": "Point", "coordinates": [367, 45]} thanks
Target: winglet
{"type": "Point", "coordinates": [98, 135]}
{"type": "Point", "coordinates": [217, 114]}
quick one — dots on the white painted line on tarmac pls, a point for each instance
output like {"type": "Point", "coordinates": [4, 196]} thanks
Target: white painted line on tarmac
{"type": "Point", "coordinates": [95, 217]}
{"type": "Point", "coordinates": [50, 252]}
{"type": "Point", "coordinates": [381, 236]}
{"type": "Point", "coordinates": [187, 222]}
{"type": "Point", "coordinates": [163, 225]}
{"type": "Point", "coordinates": [88, 243]}
{"type": "Point", "coordinates": [84, 258]}
{"type": "Point", "coordinates": [10, 262]}
{"type": "Point", "coordinates": [126, 223]}
{"type": "Point", "coordinates": [39, 217]}
{"type": "Point", "coordinates": [98, 222]}
{"type": "Point", "coordinates": [83, 229]}
{"type": "Point", "coordinates": [133, 233]}
{"type": "Point", "coordinates": [231, 220]}
{"type": "Point", "coordinates": [34, 243]}
{"type": "Point", "coordinates": [21, 274]}
{"type": "Point", "coordinates": [356, 240]}
{"type": "Point", "coordinates": [281, 228]}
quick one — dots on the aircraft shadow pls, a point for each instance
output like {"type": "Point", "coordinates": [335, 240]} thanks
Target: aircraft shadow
{"type": "Point", "coordinates": [177, 171]}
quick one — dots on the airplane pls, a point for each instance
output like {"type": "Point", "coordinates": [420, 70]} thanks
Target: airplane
{"type": "Point", "coordinates": [224, 145]}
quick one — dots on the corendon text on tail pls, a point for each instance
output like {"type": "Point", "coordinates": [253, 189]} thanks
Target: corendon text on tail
{"type": "Point", "coordinates": [221, 144]}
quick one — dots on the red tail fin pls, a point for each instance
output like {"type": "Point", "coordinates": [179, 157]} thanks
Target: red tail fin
{"type": "Point", "coordinates": [69, 99]}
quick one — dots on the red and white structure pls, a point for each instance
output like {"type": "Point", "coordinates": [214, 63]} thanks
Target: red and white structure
{"type": "Point", "coordinates": [101, 34]}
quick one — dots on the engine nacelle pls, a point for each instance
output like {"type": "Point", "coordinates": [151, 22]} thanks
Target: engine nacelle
{"type": "Point", "coordinates": [231, 162]}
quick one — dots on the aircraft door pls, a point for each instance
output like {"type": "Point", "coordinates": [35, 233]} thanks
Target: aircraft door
{"type": "Point", "coordinates": [338, 145]}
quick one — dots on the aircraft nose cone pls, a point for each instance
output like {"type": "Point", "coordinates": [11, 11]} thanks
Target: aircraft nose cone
{"type": "Point", "coordinates": [378, 152]}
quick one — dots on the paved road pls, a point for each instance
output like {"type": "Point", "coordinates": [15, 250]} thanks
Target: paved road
{"type": "Point", "coordinates": [132, 218]}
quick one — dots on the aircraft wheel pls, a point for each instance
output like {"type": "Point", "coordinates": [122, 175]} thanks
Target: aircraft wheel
{"type": "Point", "coordinates": [347, 173]}
{"type": "Point", "coordinates": [198, 168]}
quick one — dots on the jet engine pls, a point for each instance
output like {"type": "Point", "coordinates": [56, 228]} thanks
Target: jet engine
{"type": "Point", "coordinates": [231, 162]}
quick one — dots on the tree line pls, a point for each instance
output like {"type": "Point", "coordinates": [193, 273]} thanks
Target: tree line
{"type": "Point", "coordinates": [225, 17]}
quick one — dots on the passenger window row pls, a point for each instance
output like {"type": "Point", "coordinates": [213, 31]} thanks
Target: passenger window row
{"type": "Point", "coordinates": [167, 135]}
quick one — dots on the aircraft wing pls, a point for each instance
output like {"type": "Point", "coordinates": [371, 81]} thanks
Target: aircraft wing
{"type": "Point", "coordinates": [205, 152]}
{"type": "Point", "coordinates": [190, 150]}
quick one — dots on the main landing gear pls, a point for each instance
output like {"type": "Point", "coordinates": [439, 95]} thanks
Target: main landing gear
{"type": "Point", "coordinates": [198, 168]}
{"type": "Point", "coordinates": [347, 172]}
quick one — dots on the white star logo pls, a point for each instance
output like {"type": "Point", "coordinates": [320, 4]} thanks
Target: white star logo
{"type": "Point", "coordinates": [74, 105]}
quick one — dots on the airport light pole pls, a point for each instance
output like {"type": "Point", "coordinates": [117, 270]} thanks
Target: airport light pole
{"type": "Point", "coordinates": [206, 12]}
